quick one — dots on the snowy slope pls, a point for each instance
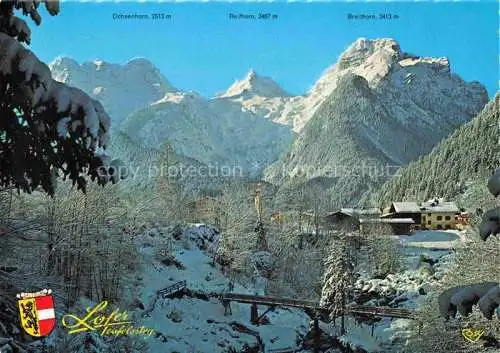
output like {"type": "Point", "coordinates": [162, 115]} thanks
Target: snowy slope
{"type": "Point", "coordinates": [419, 91]}
{"type": "Point", "coordinates": [215, 131]}
{"type": "Point", "coordinates": [203, 326]}
{"type": "Point", "coordinates": [120, 88]}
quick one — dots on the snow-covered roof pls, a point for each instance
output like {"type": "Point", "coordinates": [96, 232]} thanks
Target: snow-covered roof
{"type": "Point", "coordinates": [361, 211]}
{"type": "Point", "coordinates": [406, 207]}
{"type": "Point", "coordinates": [423, 207]}
{"type": "Point", "coordinates": [440, 207]}
{"type": "Point", "coordinates": [387, 220]}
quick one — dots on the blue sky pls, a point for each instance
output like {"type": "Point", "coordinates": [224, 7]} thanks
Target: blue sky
{"type": "Point", "coordinates": [201, 49]}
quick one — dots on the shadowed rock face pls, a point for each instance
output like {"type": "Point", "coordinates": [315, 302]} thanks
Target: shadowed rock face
{"type": "Point", "coordinates": [463, 298]}
{"type": "Point", "coordinates": [490, 225]}
{"type": "Point", "coordinates": [494, 183]}
{"type": "Point", "coordinates": [424, 178]}
{"type": "Point", "coordinates": [378, 108]}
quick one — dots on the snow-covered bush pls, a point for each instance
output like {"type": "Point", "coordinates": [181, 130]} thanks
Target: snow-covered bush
{"type": "Point", "coordinates": [264, 261]}
{"type": "Point", "coordinates": [175, 316]}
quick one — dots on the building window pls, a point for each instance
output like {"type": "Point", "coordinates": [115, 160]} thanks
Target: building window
{"type": "Point", "coordinates": [439, 218]}
{"type": "Point", "coordinates": [447, 218]}
{"type": "Point", "coordinates": [428, 214]}
{"type": "Point", "coordinates": [423, 218]}
{"type": "Point", "coordinates": [429, 223]}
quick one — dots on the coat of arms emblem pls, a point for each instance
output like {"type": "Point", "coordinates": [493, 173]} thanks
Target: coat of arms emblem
{"type": "Point", "coordinates": [36, 312]}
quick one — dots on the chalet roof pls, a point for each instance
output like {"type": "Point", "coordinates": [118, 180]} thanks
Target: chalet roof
{"type": "Point", "coordinates": [423, 207]}
{"type": "Point", "coordinates": [340, 212]}
{"type": "Point", "coordinates": [357, 211]}
{"type": "Point", "coordinates": [406, 207]}
{"type": "Point", "coordinates": [388, 220]}
{"type": "Point", "coordinates": [440, 207]}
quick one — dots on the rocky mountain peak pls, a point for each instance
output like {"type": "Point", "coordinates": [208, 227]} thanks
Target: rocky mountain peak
{"type": "Point", "coordinates": [120, 88]}
{"type": "Point", "coordinates": [254, 85]}
{"type": "Point", "coordinates": [384, 51]}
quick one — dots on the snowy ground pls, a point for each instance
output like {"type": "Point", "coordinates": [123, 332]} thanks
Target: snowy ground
{"type": "Point", "coordinates": [433, 239]}
{"type": "Point", "coordinates": [191, 324]}
{"type": "Point", "coordinates": [425, 254]}
{"type": "Point", "coordinates": [202, 326]}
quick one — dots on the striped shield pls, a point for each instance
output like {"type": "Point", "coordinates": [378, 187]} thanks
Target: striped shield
{"type": "Point", "coordinates": [37, 314]}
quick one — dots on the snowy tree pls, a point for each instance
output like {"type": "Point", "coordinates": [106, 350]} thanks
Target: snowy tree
{"type": "Point", "coordinates": [47, 128]}
{"type": "Point", "coordinates": [237, 239]}
{"type": "Point", "coordinates": [338, 279]}
{"type": "Point", "coordinates": [170, 189]}
{"type": "Point", "coordinates": [293, 196]}
{"type": "Point", "coordinates": [383, 253]}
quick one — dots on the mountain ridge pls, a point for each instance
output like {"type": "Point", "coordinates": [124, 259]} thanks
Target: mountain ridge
{"type": "Point", "coordinates": [385, 108]}
{"type": "Point", "coordinates": [113, 84]}
{"type": "Point", "coordinates": [419, 100]}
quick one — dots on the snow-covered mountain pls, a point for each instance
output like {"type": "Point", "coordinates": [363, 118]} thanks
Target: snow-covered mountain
{"type": "Point", "coordinates": [212, 131]}
{"type": "Point", "coordinates": [469, 156]}
{"type": "Point", "coordinates": [254, 85]}
{"type": "Point", "coordinates": [398, 106]}
{"type": "Point", "coordinates": [144, 105]}
{"type": "Point", "coordinates": [413, 87]}
{"type": "Point", "coordinates": [263, 97]}
{"type": "Point", "coordinates": [120, 88]}
{"type": "Point", "coordinates": [376, 109]}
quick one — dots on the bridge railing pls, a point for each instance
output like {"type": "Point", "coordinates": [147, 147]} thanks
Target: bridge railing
{"type": "Point", "coordinates": [172, 288]}
{"type": "Point", "coordinates": [247, 298]}
{"type": "Point", "coordinates": [382, 311]}
{"type": "Point", "coordinates": [307, 304]}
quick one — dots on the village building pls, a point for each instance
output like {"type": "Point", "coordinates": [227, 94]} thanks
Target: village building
{"type": "Point", "coordinates": [462, 220]}
{"type": "Point", "coordinates": [349, 218]}
{"type": "Point", "coordinates": [399, 226]}
{"type": "Point", "coordinates": [434, 214]}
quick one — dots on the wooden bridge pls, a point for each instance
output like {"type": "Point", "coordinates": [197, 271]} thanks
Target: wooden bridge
{"type": "Point", "coordinates": [170, 290]}
{"type": "Point", "coordinates": [355, 310]}
{"type": "Point", "coordinates": [272, 302]}
{"type": "Point", "coordinates": [382, 311]}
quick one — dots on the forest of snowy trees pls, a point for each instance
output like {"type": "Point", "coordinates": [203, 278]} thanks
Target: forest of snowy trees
{"type": "Point", "coordinates": [470, 153]}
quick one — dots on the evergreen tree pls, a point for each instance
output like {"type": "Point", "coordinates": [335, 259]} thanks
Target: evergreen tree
{"type": "Point", "coordinates": [46, 127]}
{"type": "Point", "coordinates": [338, 279]}
{"type": "Point", "coordinates": [471, 153]}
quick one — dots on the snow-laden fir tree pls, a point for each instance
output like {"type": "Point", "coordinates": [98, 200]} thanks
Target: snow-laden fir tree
{"type": "Point", "coordinates": [338, 279]}
{"type": "Point", "coordinates": [47, 128]}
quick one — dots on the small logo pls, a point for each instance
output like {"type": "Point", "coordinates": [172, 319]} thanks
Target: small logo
{"type": "Point", "coordinates": [36, 311]}
{"type": "Point", "coordinates": [116, 323]}
{"type": "Point", "coordinates": [472, 335]}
